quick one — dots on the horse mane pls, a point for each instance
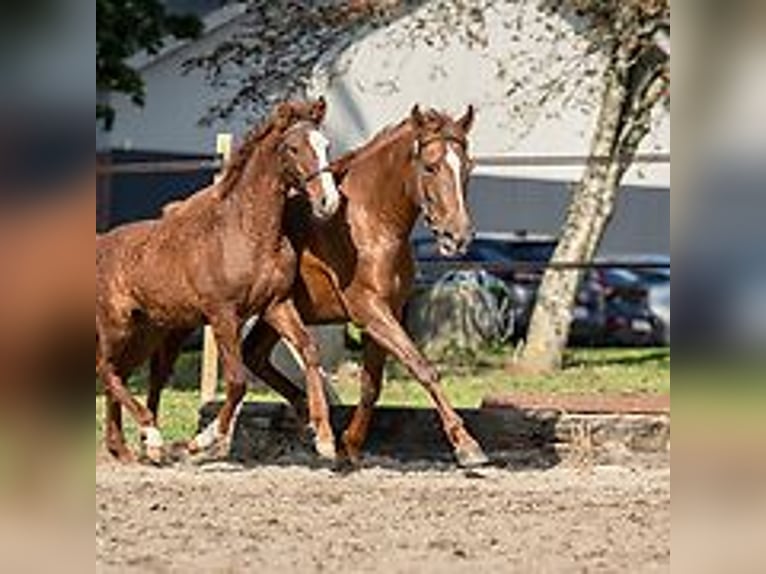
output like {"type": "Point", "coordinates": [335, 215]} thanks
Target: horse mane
{"type": "Point", "coordinates": [381, 139]}
{"type": "Point", "coordinates": [285, 115]}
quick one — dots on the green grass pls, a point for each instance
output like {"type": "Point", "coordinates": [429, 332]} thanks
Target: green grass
{"type": "Point", "coordinates": [587, 371]}
{"type": "Point", "coordinates": [467, 379]}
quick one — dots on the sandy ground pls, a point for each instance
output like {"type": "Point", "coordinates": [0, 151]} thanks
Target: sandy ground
{"type": "Point", "coordinates": [225, 518]}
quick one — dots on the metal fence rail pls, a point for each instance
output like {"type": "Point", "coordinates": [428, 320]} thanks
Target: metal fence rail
{"type": "Point", "coordinates": [542, 265]}
{"type": "Point", "coordinates": [159, 167]}
{"type": "Point", "coordinates": [215, 163]}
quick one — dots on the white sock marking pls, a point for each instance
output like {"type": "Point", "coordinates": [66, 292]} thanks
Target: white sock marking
{"type": "Point", "coordinates": [152, 437]}
{"type": "Point", "coordinates": [208, 437]}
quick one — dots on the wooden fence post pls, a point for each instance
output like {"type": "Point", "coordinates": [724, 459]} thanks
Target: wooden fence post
{"type": "Point", "coordinates": [209, 374]}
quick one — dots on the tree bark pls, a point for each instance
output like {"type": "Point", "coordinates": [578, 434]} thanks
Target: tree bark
{"type": "Point", "coordinates": [630, 93]}
{"type": "Point", "coordinates": [590, 211]}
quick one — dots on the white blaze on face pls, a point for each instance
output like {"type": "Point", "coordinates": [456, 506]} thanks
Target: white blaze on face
{"type": "Point", "coordinates": [453, 161]}
{"type": "Point", "coordinates": [320, 144]}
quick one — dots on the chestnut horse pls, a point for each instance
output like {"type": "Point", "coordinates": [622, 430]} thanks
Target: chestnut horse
{"type": "Point", "coordinates": [358, 266]}
{"type": "Point", "coordinates": [221, 259]}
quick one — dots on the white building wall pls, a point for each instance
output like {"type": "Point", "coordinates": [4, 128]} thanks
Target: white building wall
{"type": "Point", "coordinates": [175, 102]}
{"type": "Point", "coordinates": [376, 81]}
{"type": "Point", "coordinates": [379, 77]}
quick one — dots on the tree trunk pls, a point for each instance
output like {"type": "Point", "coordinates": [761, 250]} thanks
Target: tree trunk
{"type": "Point", "coordinates": [591, 208]}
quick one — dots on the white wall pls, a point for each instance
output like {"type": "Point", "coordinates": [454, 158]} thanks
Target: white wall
{"type": "Point", "coordinates": [175, 102]}
{"type": "Point", "coordinates": [376, 81]}
{"type": "Point", "coordinates": [378, 78]}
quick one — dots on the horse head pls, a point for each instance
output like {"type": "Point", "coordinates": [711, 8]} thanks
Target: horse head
{"type": "Point", "coordinates": [442, 169]}
{"type": "Point", "coordinates": [303, 150]}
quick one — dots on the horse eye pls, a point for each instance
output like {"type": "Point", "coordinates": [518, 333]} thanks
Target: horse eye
{"type": "Point", "coordinates": [431, 168]}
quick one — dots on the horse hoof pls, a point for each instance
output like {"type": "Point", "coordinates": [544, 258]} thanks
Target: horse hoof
{"type": "Point", "coordinates": [192, 447]}
{"type": "Point", "coordinates": [345, 465]}
{"type": "Point", "coordinates": [155, 455]}
{"type": "Point", "coordinates": [471, 457]}
{"type": "Point", "coordinates": [153, 445]}
{"type": "Point", "coordinates": [325, 449]}
{"type": "Point", "coordinates": [210, 442]}
{"type": "Point", "coordinates": [206, 451]}
{"type": "Point", "coordinates": [121, 453]}
{"type": "Point", "coordinates": [126, 458]}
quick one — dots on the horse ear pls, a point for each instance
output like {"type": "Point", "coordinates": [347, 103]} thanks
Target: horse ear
{"type": "Point", "coordinates": [284, 115]}
{"type": "Point", "coordinates": [417, 116]}
{"type": "Point", "coordinates": [319, 110]}
{"type": "Point", "coordinates": [466, 122]}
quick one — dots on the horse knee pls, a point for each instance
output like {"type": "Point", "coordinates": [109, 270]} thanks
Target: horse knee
{"type": "Point", "coordinates": [237, 389]}
{"type": "Point", "coordinates": [370, 393]}
{"type": "Point", "coordinates": [311, 354]}
{"type": "Point", "coordinates": [428, 375]}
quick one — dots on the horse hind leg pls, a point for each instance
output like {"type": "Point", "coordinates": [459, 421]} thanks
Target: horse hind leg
{"type": "Point", "coordinates": [256, 350]}
{"type": "Point", "coordinates": [114, 436]}
{"type": "Point", "coordinates": [112, 343]}
{"type": "Point", "coordinates": [120, 396]}
{"type": "Point", "coordinates": [374, 359]}
{"type": "Point", "coordinates": [161, 368]}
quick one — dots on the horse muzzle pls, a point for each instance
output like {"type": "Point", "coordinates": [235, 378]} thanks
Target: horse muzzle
{"type": "Point", "coordinates": [323, 195]}
{"type": "Point", "coordinates": [453, 244]}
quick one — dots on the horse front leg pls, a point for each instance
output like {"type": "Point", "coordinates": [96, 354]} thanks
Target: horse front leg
{"type": "Point", "coordinates": [382, 325]}
{"type": "Point", "coordinates": [161, 368]}
{"type": "Point", "coordinates": [286, 321]}
{"type": "Point", "coordinates": [216, 437]}
{"type": "Point", "coordinates": [112, 340]}
{"type": "Point", "coordinates": [371, 380]}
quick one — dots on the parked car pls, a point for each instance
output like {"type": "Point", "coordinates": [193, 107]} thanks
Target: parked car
{"type": "Point", "coordinates": [628, 318]}
{"type": "Point", "coordinates": [613, 306]}
{"type": "Point", "coordinates": [516, 258]}
{"type": "Point", "coordinates": [655, 278]}
{"type": "Point", "coordinates": [589, 313]}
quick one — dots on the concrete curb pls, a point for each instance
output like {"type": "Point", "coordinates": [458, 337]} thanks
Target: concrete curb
{"type": "Point", "coordinates": [269, 432]}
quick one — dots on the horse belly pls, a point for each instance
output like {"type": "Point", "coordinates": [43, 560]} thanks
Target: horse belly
{"type": "Point", "coordinates": [317, 299]}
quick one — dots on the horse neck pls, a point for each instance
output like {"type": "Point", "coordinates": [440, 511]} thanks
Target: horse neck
{"type": "Point", "coordinates": [391, 196]}
{"type": "Point", "coordinates": [258, 198]}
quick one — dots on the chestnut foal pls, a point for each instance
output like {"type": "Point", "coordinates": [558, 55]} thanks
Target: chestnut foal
{"type": "Point", "coordinates": [220, 257]}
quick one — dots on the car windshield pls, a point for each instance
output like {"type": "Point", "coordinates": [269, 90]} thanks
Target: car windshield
{"type": "Point", "coordinates": [655, 276]}
{"type": "Point", "coordinates": [489, 250]}
{"type": "Point", "coordinates": [620, 277]}
{"type": "Point", "coordinates": [532, 251]}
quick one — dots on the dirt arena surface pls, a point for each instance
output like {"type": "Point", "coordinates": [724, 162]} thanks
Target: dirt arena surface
{"type": "Point", "coordinates": [226, 518]}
